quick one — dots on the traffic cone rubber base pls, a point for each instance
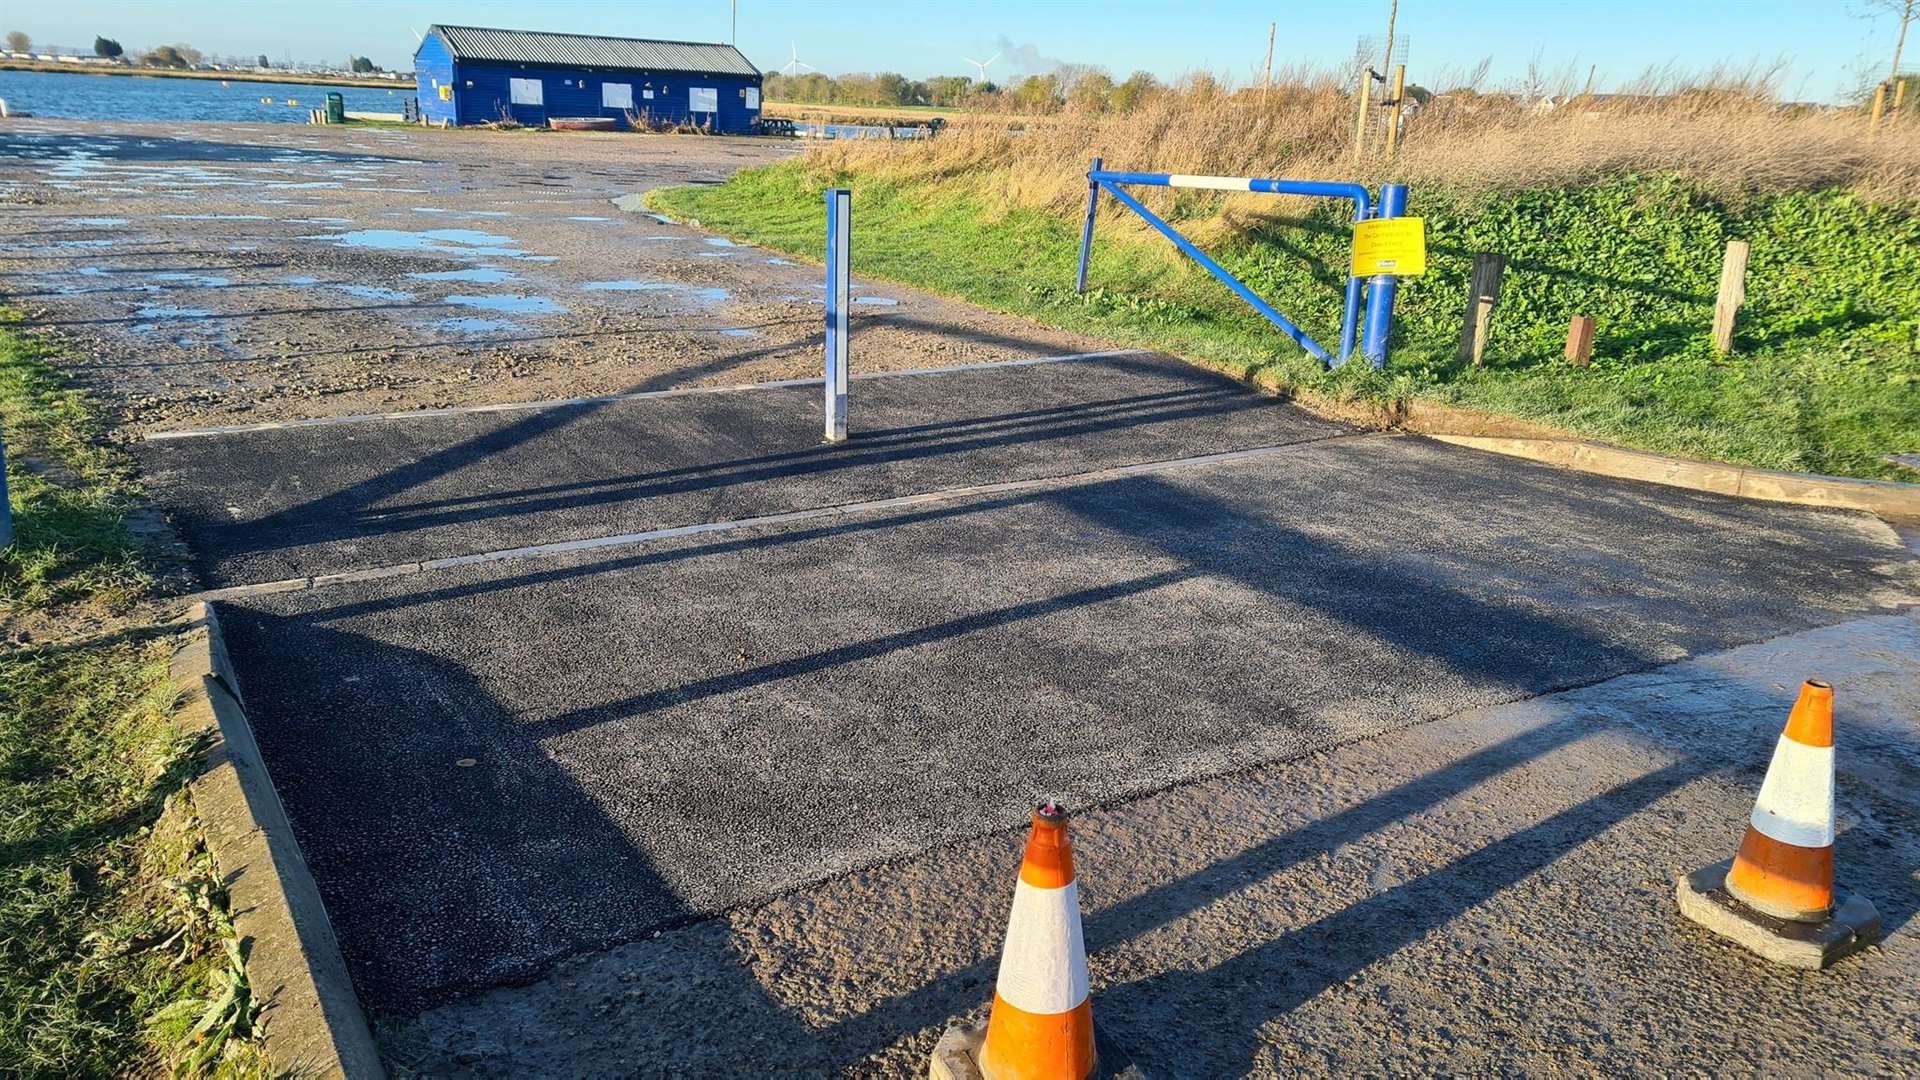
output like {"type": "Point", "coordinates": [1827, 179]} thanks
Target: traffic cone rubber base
{"type": "Point", "coordinates": [957, 1056]}
{"type": "Point", "coordinates": [1852, 926]}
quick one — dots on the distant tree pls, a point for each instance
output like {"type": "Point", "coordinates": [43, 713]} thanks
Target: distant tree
{"type": "Point", "coordinates": [1037, 94]}
{"type": "Point", "coordinates": [361, 65]}
{"type": "Point", "coordinates": [1134, 93]}
{"type": "Point", "coordinates": [18, 42]}
{"type": "Point", "coordinates": [107, 47]}
{"type": "Point", "coordinates": [892, 88]}
{"type": "Point", "coordinates": [1092, 92]}
{"type": "Point", "coordinates": [171, 56]}
{"type": "Point", "coordinates": [947, 90]}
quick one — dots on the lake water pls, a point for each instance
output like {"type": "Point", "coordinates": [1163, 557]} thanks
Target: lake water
{"type": "Point", "coordinates": [80, 96]}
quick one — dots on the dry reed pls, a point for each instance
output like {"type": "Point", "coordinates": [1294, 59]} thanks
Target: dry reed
{"type": "Point", "coordinates": [1730, 138]}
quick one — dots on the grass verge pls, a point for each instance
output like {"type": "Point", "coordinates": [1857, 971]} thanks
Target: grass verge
{"type": "Point", "coordinates": [71, 492]}
{"type": "Point", "coordinates": [117, 956]}
{"type": "Point", "coordinates": [1826, 377]}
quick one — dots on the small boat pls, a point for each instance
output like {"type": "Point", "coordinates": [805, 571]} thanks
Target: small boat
{"type": "Point", "coordinates": [584, 123]}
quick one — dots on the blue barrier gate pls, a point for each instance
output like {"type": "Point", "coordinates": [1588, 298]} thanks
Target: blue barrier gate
{"type": "Point", "coordinates": [1381, 288]}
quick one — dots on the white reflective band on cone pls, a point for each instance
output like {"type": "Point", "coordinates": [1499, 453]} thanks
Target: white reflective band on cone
{"type": "Point", "coordinates": [1043, 968]}
{"type": "Point", "coordinates": [1216, 183]}
{"type": "Point", "coordinates": [1795, 805]}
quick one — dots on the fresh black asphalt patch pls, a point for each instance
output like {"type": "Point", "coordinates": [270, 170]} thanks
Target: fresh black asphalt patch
{"type": "Point", "coordinates": [267, 505]}
{"type": "Point", "coordinates": [492, 767]}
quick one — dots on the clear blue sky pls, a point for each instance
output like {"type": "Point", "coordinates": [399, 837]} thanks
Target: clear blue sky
{"type": "Point", "coordinates": [1824, 40]}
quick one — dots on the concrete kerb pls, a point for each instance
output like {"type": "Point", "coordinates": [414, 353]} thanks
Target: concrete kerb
{"type": "Point", "coordinates": [1887, 498]}
{"type": "Point", "coordinates": [312, 1024]}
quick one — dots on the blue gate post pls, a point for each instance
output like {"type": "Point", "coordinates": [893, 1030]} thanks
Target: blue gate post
{"type": "Point", "coordinates": [839, 224]}
{"type": "Point", "coordinates": [6, 508]}
{"type": "Point", "coordinates": [1086, 231]}
{"type": "Point", "coordinates": [1380, 290]}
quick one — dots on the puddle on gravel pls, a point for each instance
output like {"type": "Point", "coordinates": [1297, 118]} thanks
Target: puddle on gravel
{"type": "Point", "coordinates": [195, 281]}
{"type": "Point", "coordinates": [735, 331]}
{"type": "Point", "coordinates": [216, 217]}
{"type": "Point", "coordinates": [299, 281]}
{"type": "Point", "coordinates": [718, 241]}
{"type": "Point", "coordinates": [81, 244]}
{"type": "Point", "coordinates": [586, 217]}
{"type": "Point", "coordinates": [709, 293]}
{"type": "Point", "coordinates": [375, 292]}
{"type": "Point", "coordinates": [778, 261]}
{"type": "Point", "coordinates": [509, 304]}
{"type": "Point", "coordinates": [163, 311]}
{"type": "Point", "coordinates": [96, 221]}
{"type": "Point", "coordinates": [482, 275]}
{"type": "Point", "coordinates": [876, 301]}
{"type": "Point", "coordinates": [435, 241]}
{"type": "Point", "coordinates": [470, 325]}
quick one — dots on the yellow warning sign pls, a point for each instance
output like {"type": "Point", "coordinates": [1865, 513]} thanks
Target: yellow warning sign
{"type": "Point", "coordinates": [1390, 246]}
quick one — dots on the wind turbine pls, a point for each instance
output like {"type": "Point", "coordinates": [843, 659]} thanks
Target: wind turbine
{"type": "Point", "coordinates": [796, 62]}
{"type": "Point", "coordinates": [982, 64]}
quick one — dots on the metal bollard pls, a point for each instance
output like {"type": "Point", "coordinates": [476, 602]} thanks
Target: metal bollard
{"type": "Point", "coordinates": [839, 227]}
{"type": "Point", "coordinates": [1382, 287]}
{"type": "Point", "coordinates": [1086, 231]}
{"type": "Point", "coordinates": [6, 508]}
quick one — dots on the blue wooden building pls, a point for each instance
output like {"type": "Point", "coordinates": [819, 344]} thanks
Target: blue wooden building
{"type": "Point", "coordinates": [474, 75]}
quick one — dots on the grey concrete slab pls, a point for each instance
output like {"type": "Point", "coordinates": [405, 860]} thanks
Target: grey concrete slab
{"type": "Point", "coordinates": [493, 767]}
{"type": "Point", "coordinates": [275, 504]}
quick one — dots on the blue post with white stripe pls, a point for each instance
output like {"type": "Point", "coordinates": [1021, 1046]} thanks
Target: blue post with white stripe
{"type": "Point", "coordinates": [1382, 287]}
{"type": "Point", "coordinates": [1086, 231]}
{"type": "Point", "coordinates": [6, 507]}
{"type": "Point", "coordinates": [839, 230]}
{"type": "Point", "coordinates": [1362, 208]}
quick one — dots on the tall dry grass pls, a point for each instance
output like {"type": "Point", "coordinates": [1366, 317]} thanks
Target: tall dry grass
{"type": "Point", "coordinates": [1730, 137]}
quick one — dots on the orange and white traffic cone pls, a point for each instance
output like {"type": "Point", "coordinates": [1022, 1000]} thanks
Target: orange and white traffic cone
{"type": "Point", "coordinates": [1041, 1026]}
{"type": "Point", "coordinates": [1783, 876]}
{"type": "Point", "coordinates": [1785, 865]}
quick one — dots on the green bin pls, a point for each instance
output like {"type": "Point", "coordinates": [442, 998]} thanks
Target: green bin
{"type": "Point", "coordinates": [336, 109]}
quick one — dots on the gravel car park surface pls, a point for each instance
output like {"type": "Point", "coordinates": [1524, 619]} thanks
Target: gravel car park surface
{"type": "Point", "coordinates": [223, 273]}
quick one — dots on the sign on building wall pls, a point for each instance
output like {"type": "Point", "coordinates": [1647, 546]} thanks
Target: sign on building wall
{"type": "Point", "coordinates": [753, 97]}
{"type": "Point", "coordinates": [616, 95]}
{"type": "Point", "coordinates": [703, 99]}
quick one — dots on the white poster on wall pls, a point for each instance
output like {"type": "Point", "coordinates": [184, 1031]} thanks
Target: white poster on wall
{"type": "Point", "coordinates": [753, 97]}
{"type": "Point", "coordinates": [703, 99]}
{"type": "Point", "coordinates": [616, 95]}
{"type": "Point", "coordinates": [525, 92]}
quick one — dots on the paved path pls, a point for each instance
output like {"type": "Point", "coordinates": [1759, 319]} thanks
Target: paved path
{"type": "Point", "coordinates": [278, 503]}
{"type": "Point", "coordinates": [667, 729]}
{"type": "Point", "coordinates": [1490, 894]}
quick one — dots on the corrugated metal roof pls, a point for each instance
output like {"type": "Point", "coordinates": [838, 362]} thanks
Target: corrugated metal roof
{"type": "Point", "coordinates": [588, 50]}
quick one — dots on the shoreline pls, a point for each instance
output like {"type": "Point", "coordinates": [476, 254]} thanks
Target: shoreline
{"type": "Point", "coordinates": [289, 78]}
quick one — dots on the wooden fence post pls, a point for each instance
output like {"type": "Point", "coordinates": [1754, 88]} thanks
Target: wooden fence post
{"type": "Point", "coordinates": [1580, 340]}
{"type": "Point", "coordinates": [1482, 294]}
{"type": "Point", "coordinates": [1879, 104]}
{"type": "Point", "coordinates": [1733, 293]}
{"type": "Point", "coordinates": [1393, 118]}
